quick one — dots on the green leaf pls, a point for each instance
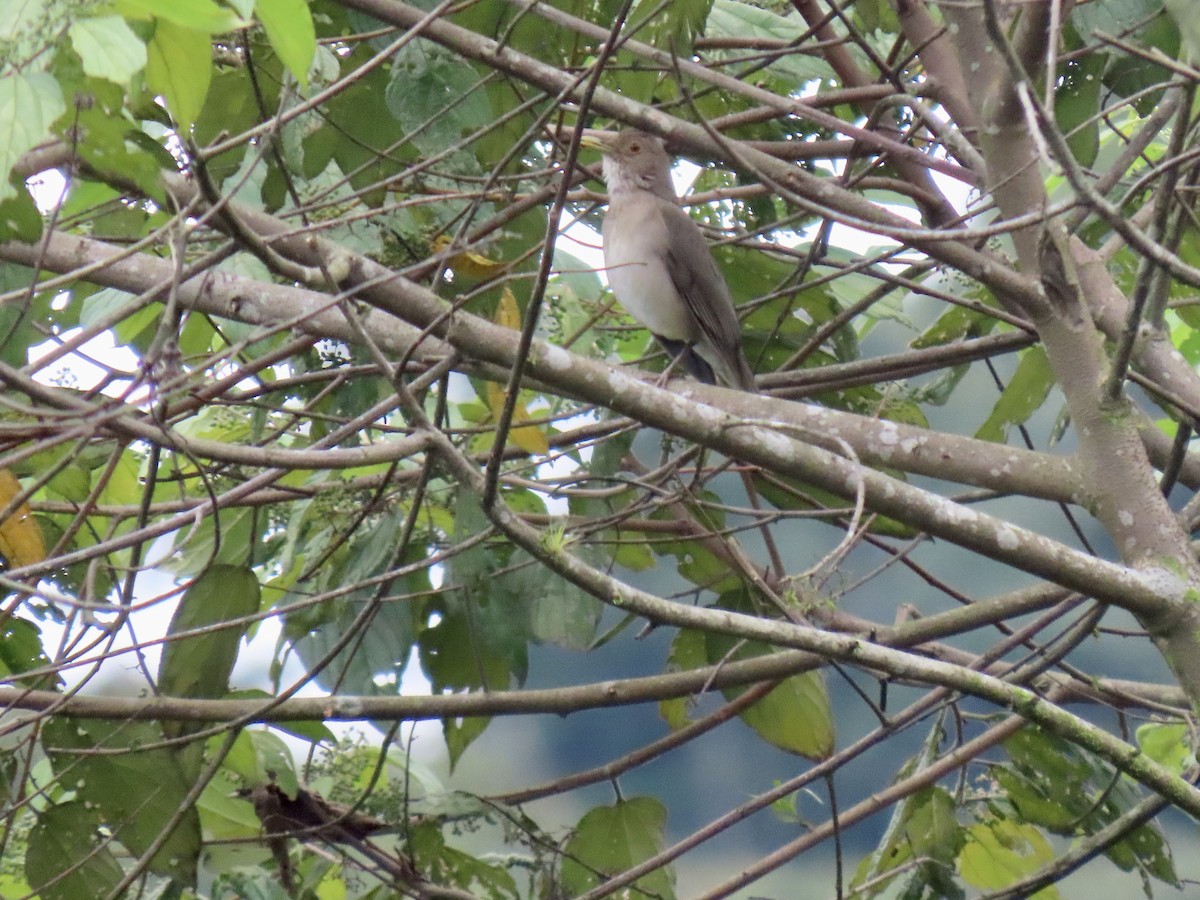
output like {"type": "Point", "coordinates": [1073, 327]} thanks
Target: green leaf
{"type": "Point", "coordinates": [22, 24]}
{"type": "Point", "coordinates": [20, 221]}
{"type": "Point", "coordinates": [1168, 744]}
{"type": "Point", "coordinates": [107, 303]}
{"type": "Point", "coordinates": [451, 658]}
{"type": "Point", "coordinates": [925, 827]}
{"type": "Point", "coordinates": [198, 665]}
{"type": "Point", "coordinates": [1114, 17]}
{"type": "Point", "coordinates": [461, 733]}
{"type": "Point", "coordinates": [733, 19]}
{"type": "Point", "coordinates": [631, 549]}
{"type": "Point", "coordinates": [289, 28]}
{"type": "Point", "coordinates": [673, 26]}
{"type": "Point", "coordinates": [694, 559]}
{"type": "Point", "coordinates": [1149, 852]}
{"type": "Point", "coordinates": [259, 756]}
{"type": "Point", "coordinates": [1021, 398]}
{"type": "Point", "coordinates": [225, 539]}
{"type": "Point", "coordinates": [112, 147]}
{"type": "Point", "coordinates": [795, 716]}
{"type": "Point", "coordinates": [434, 96]}
{"type": "Point", "coordinates": [687, 654]}
{"type": "Point", "coordinates": [610, 839]}
{"type": "Point", "coordinates": [956, 322]}
{"type": "Point", "coordinates": [559, 612]}
{"type": "Point", "coordinates": [790, 493]}
{"type": "Point", "coordinates": [932, 826]}
{"type": "Point", "coordinates": [1067, 790]}
{"type": "Point", "coordinates": [364, 125]}
{"type": "Point", "coordinates": [374, 661]}
{"type": "Point", "coordinates": [66, 858]}
{"type": "Point", "coordinates": [563, 614]}
{"type": "Point", "coordinates": [473, 872]}
{"type": "Point", "coordinates": [482, 636]}
{"type": "Point", "coordinates": [19, 321]}
{"type": "Point", "coordinates": [29, 104]}
{"type": "Point", "coordinates": [230, 108]}
{"type": "Point", "coordinates": [874, 866]}
{"type": "Point", "coordinates": [875, 15]}
{"type": "Point", "coordinates": [108, 48]}
{"type": "Point", "coordinates": [180, 68]}
{"type": "Point", "coordinates": [223, 815]}
{"type": "Point", "coordinates": [71, 483]}
{"type": "Point", "coordinates": [315, 731]}
{"type": "Point", "coordinates": [1184, 14]}
{"type": "Point", "coordinates": [1076, 104]}
{"type": "Point", "coordinates": [21, 650]}
{"type": "Point", "coordinates": [135, 792]}
{"type": "Point", "coordinates": [1129, 74]}
{"type": "Point", "coordinates": [1045, 802]}
{"type": "Point", "coordinates": [444, 865]}
{"type": "Point", "coordinates": [123, 481]}
{"type": "Point", "coordinates": [1050, 781]}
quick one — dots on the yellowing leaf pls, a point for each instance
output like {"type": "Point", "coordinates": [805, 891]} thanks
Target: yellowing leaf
{"type": "Point", "coordinates": [468, 262]}
{"type": "Point", "coordinates": [508, 313]}
{"type": "Point", "coordinates": [21, 541]}
{"type": "Point", "coordinates": [529, 438]}
{"type": "Point", "coordinates": [1002, 851]}
{"type": "Point", "coordinates": [202, 15]}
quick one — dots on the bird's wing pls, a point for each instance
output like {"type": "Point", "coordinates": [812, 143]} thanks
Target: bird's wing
{"type": "Point", "coordinates": [699, 281]}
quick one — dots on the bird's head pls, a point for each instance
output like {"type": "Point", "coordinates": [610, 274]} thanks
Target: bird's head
{"type": "Point", "coordinates": [633, 161]}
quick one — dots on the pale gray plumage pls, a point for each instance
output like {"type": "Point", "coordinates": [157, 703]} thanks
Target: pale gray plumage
{"type": "Point", "coordinates": [659, 265]}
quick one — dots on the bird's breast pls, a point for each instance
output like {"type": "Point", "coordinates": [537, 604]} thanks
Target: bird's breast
{"type": "Point", "coordinates": [635, 241]}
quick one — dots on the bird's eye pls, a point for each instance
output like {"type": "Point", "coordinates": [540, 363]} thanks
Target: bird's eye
{"type": "Point", "coordinates": [635, 148]}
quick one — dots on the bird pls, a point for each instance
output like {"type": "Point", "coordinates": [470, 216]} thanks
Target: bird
{"type": "Point", "coordinates": [659, 265]}
{"type": "Point", "coordinates": [309, 816]}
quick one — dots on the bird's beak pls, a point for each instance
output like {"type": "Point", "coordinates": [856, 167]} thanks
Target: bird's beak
{"type": "Point", "coordinates": [594, 139]}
